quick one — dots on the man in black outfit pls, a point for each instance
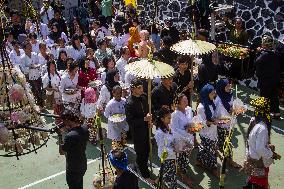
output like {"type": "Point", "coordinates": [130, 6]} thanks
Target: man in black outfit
{"type": "Point", "coordinates": [267, 66]}
{"type": "Point", "coordinates": [165, 54]}
{"type": "Point", "coordinates": [138, 119]}
{"type": "Point", "coordinates": [182, 77]}
{"type": "Point", "coordinates": [163, 95]}
{"type": "Point", "coordinates": [74, 148]}
{"type": "Point", "coordinates": [124, 178]}
{"type": "Point", "coordinates": [16, 28]}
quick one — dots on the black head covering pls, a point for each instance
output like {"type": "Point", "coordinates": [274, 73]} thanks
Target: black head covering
{"type": "Point", "coordinates": [110, 83]}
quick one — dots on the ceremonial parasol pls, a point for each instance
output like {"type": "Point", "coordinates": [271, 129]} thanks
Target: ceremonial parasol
{"type": "Point", "coordinates": [150, 69]}
{"type": "Point", "coordinates": [193, 47]}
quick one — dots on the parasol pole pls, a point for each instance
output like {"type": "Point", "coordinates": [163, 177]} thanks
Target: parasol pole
{"type": "Point", "coordinates": [150, 127]}
{"type": "Point", "coordinates": [191, 79]}
{"type": "Point", "coordinates": [101, 139]}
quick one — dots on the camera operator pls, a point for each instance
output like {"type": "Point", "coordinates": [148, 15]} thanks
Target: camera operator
{"type": "Point", "coordinates": [74, 148]}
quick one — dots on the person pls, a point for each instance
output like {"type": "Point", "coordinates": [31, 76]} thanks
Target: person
{"type": "Point", "coordinates": [154, 35]}
{"type": "Point", "coordinates": [51, 82]}
{"type": "Point", "coordinates": [182, 77]}
{"type": "Point", "coordinates": [88, 112]}
{"type": "Point", "coordinates": [112, 78]}
{"type": "Point", "coordinates": [109, 64]}
{"type": "Point", "coordinates": [16, 28]}
{"type": "Point", "coordinates": [207, 152]}
{"type": "Point", "coordinates": [87, 40]}
{"type": "Point", "coordinates": [77, 50]}
{"type": "Point", "coordinates": [62, 61]}
{"type": "Point", "coordinates": [122, 62]}
{"type": "Point", "coordinates": [267, 66]}
{"type": "Point", "coordinates": [86, 75]}
{"type": "Point", "coordinates": [171, 31]}
{"type": "Point", "coordinates": [32, 69]}
{"type": "Point", "coordinates": [43, 57]}
{"type": "Point", "coordinates": [166, 140]}
{"type": "Point", "coordinates": [34, 42]}
{"type": "Point", "coordinates": [260, 153]}
{"type": "Point", "coordinates": [116, 131]}
{"type": "Point", "coordinates": [106, 8]}
{"type": "Point", "coordinates": [124, 178]}
{"type": "Point", "coordinates": [16, 53]}
{"type": "Point", "coordinates": [103, 51]}
{"type": "Point", "coordinates": [62, 27]}
{"type": "Point", "coordinates": [74, 147]}
{"type": "Point", "coordinates": [139, 119]}
{"type": "Point", "coordinates": [145, 46]}
{"type": "Point", "coordinates": [165, 54]}
{"type": "Point", "coordinates": [55, 34]}
{"type": "Point", "coordinates": [133, 40]}
{"type": "Point", "coordinates": [71, 95]}
{"type": "Point", "coordinates": [208, 70]}
{"type": "Point", "coordinates": [46, 12]}
{"type": "Point", "coordinates": [181, 121]}
{"type": "Point", "coordinates": [90, 55]}
{"type": "Point", "coordinates": [163, 94]}
{"type": "Point", "coordinates": [237, 34]}
{"type": "Point", "coordinates": [224, 109]}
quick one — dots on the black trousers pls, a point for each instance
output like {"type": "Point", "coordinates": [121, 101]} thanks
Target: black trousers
{"type": "Point", "coordinates": [75, 179]}
{"type": "Point", "coordinates": [142, 149]}
{"type": "Point", "coordinates": [270, 90]}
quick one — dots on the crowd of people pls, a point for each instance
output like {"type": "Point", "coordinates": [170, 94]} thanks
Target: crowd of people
{"type": "Point", "coordinates": [78, 71]}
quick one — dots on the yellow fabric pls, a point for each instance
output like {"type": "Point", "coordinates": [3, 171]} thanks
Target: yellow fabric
{"type": "Point", "coordinates": [133, 2]}
{"type": "Point", "coordinates": [134, 38]}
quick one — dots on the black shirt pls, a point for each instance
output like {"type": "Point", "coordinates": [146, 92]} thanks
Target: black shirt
{"type": "Point", "coordinates": [166, 55]}
{"type": "Point", "coordinates": [267, 67]}
{"type": "Point", "coordinates": [181, 80]}
{"type": "Point", "coordinates": [136, 109]}
{"type": "Point", "coordinates": [75, 143]}
{"type": "Point", "coordinates": [126, 181]}
{"type": "Point", "coordinates": [162, 96]}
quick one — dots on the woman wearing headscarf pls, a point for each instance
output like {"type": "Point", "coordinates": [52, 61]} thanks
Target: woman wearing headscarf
{"type": "Point", "coordinates": [224, 104]}
{"type": "Point", "coordinates": [112, 78]}
{"type": "Point", "coordinates": [207, 153]}
{"type": "Point", "coordinates": [259, 152]}
{"type": "Point", "coordinates": [55, 34]}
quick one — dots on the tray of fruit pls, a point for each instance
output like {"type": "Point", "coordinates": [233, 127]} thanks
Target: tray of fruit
{"type": "Point", "coordinates": [233, 51]}
{"type": "Point", "coordinates": [195, 127]}
{"type": "Point", "coordinates": [224, 120]}
{"type": "Point", "coordinates": [95, 84]}
{"type": "Point", "coordinates": [117, 118]}
{"type": "Point", "coordinates": [70, 91]}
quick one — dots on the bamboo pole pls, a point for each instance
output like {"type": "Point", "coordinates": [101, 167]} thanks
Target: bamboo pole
{"type": "Point", "coordinates": [150, 127]}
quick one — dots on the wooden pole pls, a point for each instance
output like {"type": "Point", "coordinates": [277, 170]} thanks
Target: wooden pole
{"type": "Point", "coordinates": [150, 127]}
{"type": "Point", "coordinates": [191, 79]}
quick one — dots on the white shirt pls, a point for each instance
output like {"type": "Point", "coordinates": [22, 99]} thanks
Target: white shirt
{"type": "Point", "coordinates": [180, 121]}
{"type": "Point", "coordinates": [208, 132]}
{"type": "Point", "coordinates": [66, 83]}
{"type": "Point", "coordinates": [42, 61]}
{"type": "Point", "coordinates": [221, 111]}
{"type": "Point", "coordinates": [120, 65]}
{"type": "Point", "coordinates": [35, 47]}
{"type": "Point", "coordinates": [49, 14]}
{"type": "Point", "coordinates": [77, 54]}
{"type": "Point", "coordinates": [104, 97]}
{"type": "Point", "coordinates": [55, 82]}
{"type": "Point", "coordinates": [166, 141]}
{"type": "Point", "coordinates": [27, 66]}
{"type": "Point", "coordinates": [14, 58]}
{"type": "Point", "coordinates": [88, 110]}
{"type": "Point", "coordinates": [258, 144]}
{"type": "Point", "coordinates": [115, 129]}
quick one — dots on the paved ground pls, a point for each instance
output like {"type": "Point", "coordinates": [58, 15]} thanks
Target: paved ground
{"type": "Point", "coordinates": [45, 170]}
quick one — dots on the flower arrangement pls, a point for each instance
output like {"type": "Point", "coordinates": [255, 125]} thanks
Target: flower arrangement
{"type": "Point", "coordinates": [233, 51]}
{"type": "Point", "coordinates": [196, 125]}
{"type": "Point", "coordinates": [16, 93]}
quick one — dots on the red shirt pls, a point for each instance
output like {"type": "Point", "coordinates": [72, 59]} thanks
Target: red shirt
{"type": "Point", "coordinates": [85, 78]}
